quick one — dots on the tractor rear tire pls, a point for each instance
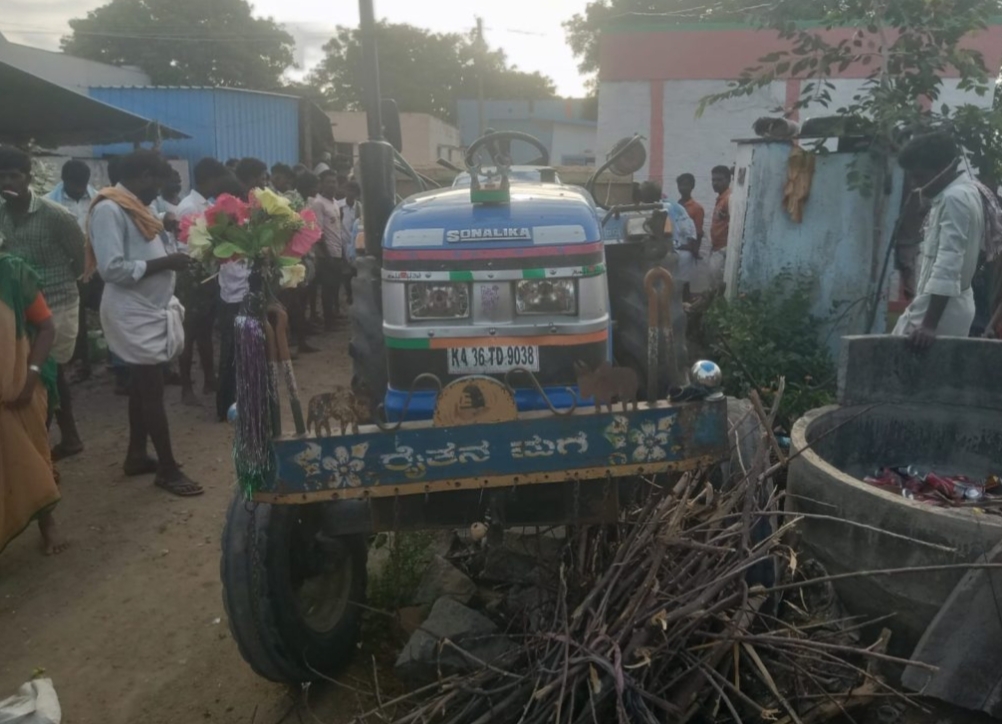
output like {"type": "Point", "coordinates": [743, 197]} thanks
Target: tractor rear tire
{"type": "Point", "coordinates": [369, 376]}
{"type": "Point", "coordinates": [291, 592]}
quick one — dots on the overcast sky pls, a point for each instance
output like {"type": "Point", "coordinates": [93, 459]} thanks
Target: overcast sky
{"type": "Point", "coordinates": [528, 30]}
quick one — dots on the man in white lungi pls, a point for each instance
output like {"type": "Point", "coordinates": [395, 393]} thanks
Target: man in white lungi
{"type": "Point", "coordinates": [952, 239]}
{"type": "Point", "coordinates": [142, 320]}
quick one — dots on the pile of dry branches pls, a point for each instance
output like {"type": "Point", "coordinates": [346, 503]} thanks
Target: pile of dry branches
{"type": "Point", "coordinates": [692, 609]}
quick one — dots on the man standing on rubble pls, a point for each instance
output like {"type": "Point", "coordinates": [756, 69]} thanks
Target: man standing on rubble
{"type": "Point", "coordinates": [951, 241]}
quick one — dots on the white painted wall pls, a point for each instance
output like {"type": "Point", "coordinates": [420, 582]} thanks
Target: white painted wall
{"type": "Point", "coordinates": [624, 109]}
{"type": "Point", "coordinates": [425, 137]}
{"type": "Point", "coordinates": [835, 245]}
{"type": "Point", "coordinates": [696, 145]}
{"type": "Point", "coordinates": [573, 140]}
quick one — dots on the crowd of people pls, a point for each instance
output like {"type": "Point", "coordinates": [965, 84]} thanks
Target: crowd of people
{"type": "Point", "coordinates": [116, 251]}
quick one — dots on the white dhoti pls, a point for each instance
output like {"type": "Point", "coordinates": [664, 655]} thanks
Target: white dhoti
{"type": "Point", "coordinates": [139, 332]}
{"type": "Point", "coordinates": [66, 320]}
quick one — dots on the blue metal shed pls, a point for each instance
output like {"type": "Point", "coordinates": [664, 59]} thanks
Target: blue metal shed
{"type": "Point", "coordinates": [222, 122]}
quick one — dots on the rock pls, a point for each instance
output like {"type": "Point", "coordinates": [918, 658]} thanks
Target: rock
{"type": "Point", "coordinates": [547, 546]}
{"type": "Point", "coordinates": [532, 606]}
{"type": "Point", "coordinates": [443, 579]}
{"type": "Point", "coordinates": [505, 566]}
{"type": "Point", "coordinates": [411, 618]}
{"type": "Point", "coordinates": [421, 660]}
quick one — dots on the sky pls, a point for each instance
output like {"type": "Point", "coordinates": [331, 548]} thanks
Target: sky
{"type": "Point", "coordinates": [529, 31]}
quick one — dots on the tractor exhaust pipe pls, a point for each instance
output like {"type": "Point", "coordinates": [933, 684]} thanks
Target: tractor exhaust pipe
{"type": "Point", "coordinates": [378, 180]}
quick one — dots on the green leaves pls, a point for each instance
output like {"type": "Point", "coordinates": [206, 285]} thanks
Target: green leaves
{"type": "Point", "coordinates": [906, 46]}
{"type": "Point", "coordinates": [762, 336]}
{"type": "Point", "coordinates": [226, 250]}
{"type": "Point", "coordinates": [186, 42]}
{"type": "Point", "coordinates": [424, 71]}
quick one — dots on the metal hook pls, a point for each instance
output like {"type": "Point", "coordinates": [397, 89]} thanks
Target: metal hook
{"type": "Point", "coordinates": [381, 409]}
{"type": "Point", "coordinates": [542, 392]}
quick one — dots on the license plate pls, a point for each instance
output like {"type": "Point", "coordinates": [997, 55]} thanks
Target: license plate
{"type": "Point", "coordinates": [492, 360]}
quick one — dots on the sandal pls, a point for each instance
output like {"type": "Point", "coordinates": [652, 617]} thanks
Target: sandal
{"type": "Point", "coordinates": [179, 484]}
{"type": "Point", "coordinates": [140, 466]}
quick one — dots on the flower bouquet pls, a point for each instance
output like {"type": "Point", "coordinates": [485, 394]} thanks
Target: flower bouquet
{"type": "Point", "coordinates": [267, 232]}
{"type": "Point", "coordinates": [272, 237]}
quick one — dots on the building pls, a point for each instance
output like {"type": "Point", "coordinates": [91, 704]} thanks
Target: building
{"type": "Point", "coordinates": [566, 127]}
{"type": "Point", "coordinates": [126, 109]}
{"type": "Point", "coordinates": [425, 137]}
{"type": "Point", "coordinates": [46, 103]}
{"type": "Point", "coordinates": [653, 77]}
{"type": "Point", "coordinates": [66, 70]}
{"type": "Point", "coordinates": [222, 122]}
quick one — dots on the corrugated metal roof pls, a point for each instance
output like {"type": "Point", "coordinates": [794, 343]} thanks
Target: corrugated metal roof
{"type": "Point", "coordinates": [50, 114]}
{"type": "Point", "coordinates": [197, 87]}
{"type": "Point", "coordinates": [222, 122]}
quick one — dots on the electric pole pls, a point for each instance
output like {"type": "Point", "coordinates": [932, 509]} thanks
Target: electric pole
{"type": "Point", "coordinates": [479, 65]}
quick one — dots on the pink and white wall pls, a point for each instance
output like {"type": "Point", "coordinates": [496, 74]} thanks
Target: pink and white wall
{"type": "Point", "coordinates": [652, 79]}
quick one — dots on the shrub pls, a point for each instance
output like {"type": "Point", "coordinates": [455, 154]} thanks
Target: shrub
{"type": "Point", "coordinates": [764, 335]}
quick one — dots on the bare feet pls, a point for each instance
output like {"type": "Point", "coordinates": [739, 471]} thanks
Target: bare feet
{"type": "Point", "coordinates": [189, 398]}
{"type": "Point", "coordinates": [66, 449]}
{"type": "Point", "coordinates": [53, 542]}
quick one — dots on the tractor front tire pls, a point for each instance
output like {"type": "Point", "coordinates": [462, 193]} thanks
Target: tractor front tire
{"type": "Point", "coordinates": [290, 591]}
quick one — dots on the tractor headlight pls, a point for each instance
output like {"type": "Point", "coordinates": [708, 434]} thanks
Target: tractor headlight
{"type": "Point", "coordinates": [438, 300]}
{"type": "Point", "coordinates": [546, 296]}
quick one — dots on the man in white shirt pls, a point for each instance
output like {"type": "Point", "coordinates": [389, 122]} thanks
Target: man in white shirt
{"type": "Point", "coordinates": [951, 242]}
{"type": "Point", "coordinates": [351, 210]}
{"type": "Point", "coordinates": [324, 164]}
{"type": "Point", "coordinates": [75, 194]}
{"type": "Point", "coordinates": [329, 249]}
{"type": "Point", "coordinates": [198, 294]}
{"type": "Point", "coordinates": [141, 318]}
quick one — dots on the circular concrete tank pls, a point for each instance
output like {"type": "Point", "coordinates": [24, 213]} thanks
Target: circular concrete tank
{"type": "Point", "coordinates": [835, 447]}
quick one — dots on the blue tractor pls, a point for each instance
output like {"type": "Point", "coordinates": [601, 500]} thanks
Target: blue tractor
{"type": "Point", "coordinates": [494, 328]}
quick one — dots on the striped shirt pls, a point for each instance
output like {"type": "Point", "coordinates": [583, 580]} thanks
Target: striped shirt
{"type": "Point", "coordinates": [48, 237]}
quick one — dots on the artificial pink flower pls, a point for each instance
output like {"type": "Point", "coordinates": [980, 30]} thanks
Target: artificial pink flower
{"type": "Point", "coordinates": [186, 223]}
{"type": "Point", "coordinates": [237, 210]}
{"type": "Point", "coordinates": [304, 239]}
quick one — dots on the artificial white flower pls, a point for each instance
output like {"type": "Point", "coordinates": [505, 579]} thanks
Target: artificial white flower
{"type": "Point", "coordinates": [293, 276]}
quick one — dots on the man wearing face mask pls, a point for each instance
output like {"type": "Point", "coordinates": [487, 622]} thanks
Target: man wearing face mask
{"type": "Point", "coordinates": [951, 241]}
{"type": "Point", "coordinates": [141, 317]}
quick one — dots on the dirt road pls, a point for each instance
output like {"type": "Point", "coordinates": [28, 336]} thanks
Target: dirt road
{"type": "Point", "coordinates": [129, 622]}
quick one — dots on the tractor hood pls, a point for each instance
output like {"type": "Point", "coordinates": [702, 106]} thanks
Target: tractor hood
{"type": "Point", "coordinates": [538, 215]}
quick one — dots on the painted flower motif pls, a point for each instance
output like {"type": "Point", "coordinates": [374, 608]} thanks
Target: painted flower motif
{"type": "Point", "coordinates": [616, 431]}
{"type": "Point", "coordinates": [274, 204]}
{"type": "Point", "coordinates": [293, 276]}
{"type": "Point", "coordinates": [347, 464]}
{"type": "Point", "coordinates": [230, 206]}
{"type": "Point", "coordinates": [650, 443]}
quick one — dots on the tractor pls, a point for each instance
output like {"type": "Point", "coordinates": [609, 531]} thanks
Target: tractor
{"type": "Point", "coordinates": [518, 363]}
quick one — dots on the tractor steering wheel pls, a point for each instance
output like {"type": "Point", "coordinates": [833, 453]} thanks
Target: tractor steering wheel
{"type": "Point", "coordinates": [491, 141]}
